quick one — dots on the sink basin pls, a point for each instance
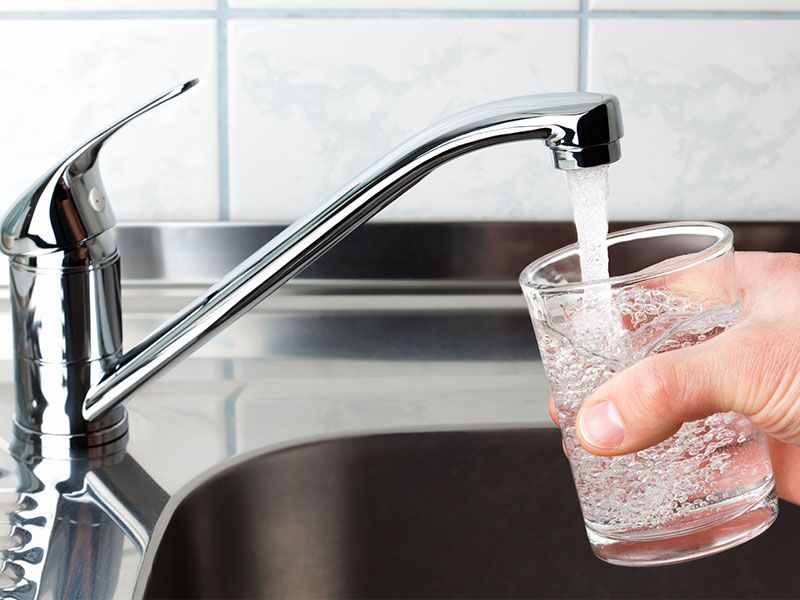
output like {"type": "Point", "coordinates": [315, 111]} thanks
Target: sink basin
{"type": "Point", "coordinates": [456, 514]}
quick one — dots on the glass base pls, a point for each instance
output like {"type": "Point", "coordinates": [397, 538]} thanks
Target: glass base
{"type": "Point", "coordinates": [677, 547]}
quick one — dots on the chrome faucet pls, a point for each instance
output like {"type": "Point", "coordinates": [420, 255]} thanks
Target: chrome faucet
{"type": "Point", "coordinates": [71, 373]}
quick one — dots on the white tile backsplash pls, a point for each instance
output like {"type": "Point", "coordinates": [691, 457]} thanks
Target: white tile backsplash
{"type": "Point", "coordinates": [722, 5]}
{"type": "Point", "coordinates": [409, 4]}
{"type": "Point", "coordinates": [711, 115]}
{"type": "Point", "coordinates": [306, 117]}
{"type": "Point", "coordinates": [69, 79]}
{"type": "Point", "coordinates": [314, 95]}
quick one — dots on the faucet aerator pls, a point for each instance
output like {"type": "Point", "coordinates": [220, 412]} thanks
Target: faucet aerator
{"type": "Point", "coordinates": [569, 159]}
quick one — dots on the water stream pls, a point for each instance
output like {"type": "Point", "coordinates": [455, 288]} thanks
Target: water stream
{"type": "Point", "coordinates": [588, 189]}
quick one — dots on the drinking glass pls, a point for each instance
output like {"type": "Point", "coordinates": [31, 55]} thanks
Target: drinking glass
{"type": "Point", "coordinates": [707, 488]}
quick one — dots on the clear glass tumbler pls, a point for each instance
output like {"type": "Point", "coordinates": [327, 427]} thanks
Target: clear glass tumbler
{"type": "Point", "coordinates": [707, 488]}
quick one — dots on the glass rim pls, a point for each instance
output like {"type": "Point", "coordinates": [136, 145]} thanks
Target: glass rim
{"type": "Point", "coordinates": [719, 247]}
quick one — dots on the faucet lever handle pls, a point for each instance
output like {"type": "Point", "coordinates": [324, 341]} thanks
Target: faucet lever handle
{"type": "Point", "coordinates": [85, 157]}
{"type": "Point", "coordinates": [67, 205]}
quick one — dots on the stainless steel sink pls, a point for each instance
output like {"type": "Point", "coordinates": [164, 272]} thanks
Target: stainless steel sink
{"type": "Point", "coordinates": [424, 332]}
{"type": "Point", "coordinates": [457, 514]}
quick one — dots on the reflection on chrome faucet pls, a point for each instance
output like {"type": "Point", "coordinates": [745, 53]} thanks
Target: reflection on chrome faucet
{"type": "Point", "coordinates": [70, 370]}
{"type": "Point", "coordinates": [80, 527]}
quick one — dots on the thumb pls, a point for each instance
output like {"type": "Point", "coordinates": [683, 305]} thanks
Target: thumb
{"type": "Point", "coordinates": [649, 401]}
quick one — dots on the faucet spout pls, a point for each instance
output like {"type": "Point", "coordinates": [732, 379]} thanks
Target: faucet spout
{"type": "Point", "coordinates": [70, 370]}
{"type": "Point", "coordinates": [581, 130]}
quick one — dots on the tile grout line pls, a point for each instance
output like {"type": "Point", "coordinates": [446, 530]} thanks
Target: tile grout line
{"type": "Point", "coordinates": [222, 102]}
{"type": "Point", "coordinates": [696, 14]}
{"type": "Point", "coordinates": [231, 408]}
{"type": "Point", "coordinates": [278, 13]}
{"type": "Point", "coordinates": [583, 45]}
{"type": "Point", "coordinates": [401, 13]}
{"type": "Point", "coordinates": [230, 423]}
{"type": "Point", "coordinates": [116, 15]}
{"type": "Point", "coordinates": [229, 374]}
{"type": "Point", "coordinates": [225, 13]}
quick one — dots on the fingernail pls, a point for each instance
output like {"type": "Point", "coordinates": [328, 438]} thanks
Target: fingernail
{"type": "Point", "coordinates": [601, 425]}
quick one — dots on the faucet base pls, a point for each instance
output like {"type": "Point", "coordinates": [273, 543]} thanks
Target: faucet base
{"type": "Point", "coordinates": [104, 441]}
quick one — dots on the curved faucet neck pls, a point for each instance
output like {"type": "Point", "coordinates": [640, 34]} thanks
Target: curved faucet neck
{"type": "Point", "coordinates": [580, 129]}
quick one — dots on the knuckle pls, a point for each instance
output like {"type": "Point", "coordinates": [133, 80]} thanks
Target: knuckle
{"type": "Point", "coordinates": [656, 388]}
{"type": "Point", "coordinates": [780, 269]}
{"type": "Point", "coordinates": [765, 369]}
{"type": "Point", "coordinates": [783, 261]}
{"type": "Point", "coordinates": [772, 262]}
{"type": "Point", "coordinates": [782, 420]}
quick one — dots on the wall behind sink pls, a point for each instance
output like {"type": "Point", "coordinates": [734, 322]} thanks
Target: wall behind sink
{"type": "Point", "coordinates": [299, 95]}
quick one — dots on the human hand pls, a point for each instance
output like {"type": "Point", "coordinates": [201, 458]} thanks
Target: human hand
{"type": "Point", "coordinates": [753, 368]}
